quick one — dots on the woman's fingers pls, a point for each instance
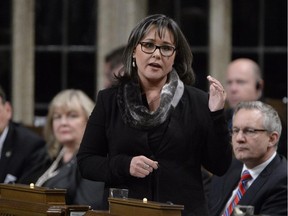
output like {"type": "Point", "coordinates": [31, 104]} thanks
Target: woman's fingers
{"type": "Point", "coordinates": [217, 94]}
{"type": "Point", "coordinates": [142, 166]}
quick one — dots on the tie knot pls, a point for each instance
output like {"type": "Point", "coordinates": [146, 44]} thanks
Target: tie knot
{"type": "Point", "coordinates": [246, 176]}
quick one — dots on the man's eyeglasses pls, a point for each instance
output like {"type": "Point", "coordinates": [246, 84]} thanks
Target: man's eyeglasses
{"type": "Point", "coordinates": [149, 48]}
{"type": "Point", "coordinates": [249, 132]}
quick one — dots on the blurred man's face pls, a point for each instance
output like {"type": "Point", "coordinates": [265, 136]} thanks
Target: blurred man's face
{"type": "Point", "coordinates": [240, 85]}
{"type": "Point", "coordinates": [5, 114]}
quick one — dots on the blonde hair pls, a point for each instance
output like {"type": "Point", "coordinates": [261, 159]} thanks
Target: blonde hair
{"type": "Point", "coordinates": [67, 99]}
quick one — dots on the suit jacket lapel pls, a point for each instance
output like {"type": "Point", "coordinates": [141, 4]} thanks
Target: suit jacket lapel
{"type": "Point", "coordinates": [231, 182]}
{"type": "Point", "coordinates": [259, 181]}
{"type": "Point", "coordinates": [228, 183]}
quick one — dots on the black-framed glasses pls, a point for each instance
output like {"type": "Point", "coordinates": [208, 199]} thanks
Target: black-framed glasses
{"type": "Point", "coordinates": [249, 132]}
{"type": "Point", "coordinates": [149, 48]}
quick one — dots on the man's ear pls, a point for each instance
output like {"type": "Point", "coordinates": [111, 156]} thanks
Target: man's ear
{"type": "Point", "coordinates": [273, 139]}
{"type": "Point", "coordinates": [259, 88]}
{"type": "Point", "coordinates": [260, 85]}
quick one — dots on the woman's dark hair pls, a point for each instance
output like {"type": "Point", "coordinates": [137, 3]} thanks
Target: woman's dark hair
{"type": "Point", "coordinates": [183, 58]}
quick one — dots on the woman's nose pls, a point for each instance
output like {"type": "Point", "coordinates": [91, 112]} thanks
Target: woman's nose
{"type": "Point", "coordinates": [156, 53]}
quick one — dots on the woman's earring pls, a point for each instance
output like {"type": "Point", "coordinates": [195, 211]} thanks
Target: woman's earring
{"type": "Point", "coordinates": [133, 63]}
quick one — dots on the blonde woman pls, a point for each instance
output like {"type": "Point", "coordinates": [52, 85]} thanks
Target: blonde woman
{"type": "Point", "coordinates": [67, 117]}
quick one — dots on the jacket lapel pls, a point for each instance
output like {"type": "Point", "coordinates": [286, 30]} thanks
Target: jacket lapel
{"type": "Point", "coordinates": [259, 181]}
{"type": "Point", "coordinates": [231, 181]}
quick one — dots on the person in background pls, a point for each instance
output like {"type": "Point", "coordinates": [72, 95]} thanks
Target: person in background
{"type": "Point", "coordinates": [255, 132]}
{"type": "Point", "coordinates": [22, 152]}
{"type": "Point", "coordinates": [244, 83]}
{"type": "Point", "coordinates": [113, 65]}
{"type": "Point", "coordinates": [153, 131]}
{"type": "Point", "coordinates": [66, 120]}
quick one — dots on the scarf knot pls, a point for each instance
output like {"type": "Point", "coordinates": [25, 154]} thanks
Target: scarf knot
{"type": "Point", "coordinates": [137, 115]}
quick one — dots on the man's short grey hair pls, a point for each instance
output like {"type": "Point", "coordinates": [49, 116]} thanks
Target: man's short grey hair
{"type": "Point", "coordinates": [271, 120]}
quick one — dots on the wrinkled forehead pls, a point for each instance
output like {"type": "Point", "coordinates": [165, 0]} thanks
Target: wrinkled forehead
{"type": "Point", "coordinates": [234, 75]}
{"type": "Point", "coordinates": [242, 71]}
{"type": "Point", "coordinates": [248, 116]}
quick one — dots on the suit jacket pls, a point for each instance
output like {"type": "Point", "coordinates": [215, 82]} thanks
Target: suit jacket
{"type": "Point", "coordinates": [79, 191]}
{"type": "Point", "coordinates": [193, 136]}
{"type": "Point", "coordinates": [24, 153]}
{"type": "Point", "coordinates": [268, 193]}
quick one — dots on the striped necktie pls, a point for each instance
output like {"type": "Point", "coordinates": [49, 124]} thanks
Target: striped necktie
{"type": "Point", "coordinates": [242, 187]}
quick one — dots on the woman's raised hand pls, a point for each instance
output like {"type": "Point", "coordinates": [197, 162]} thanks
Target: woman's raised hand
{"type": "Point", "coordinates": [217, 94]}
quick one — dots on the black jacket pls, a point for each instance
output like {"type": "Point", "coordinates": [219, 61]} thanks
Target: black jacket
{"type": "Point", "coordinates": [79, 191]}
{"type": "Point", "coordinates": [24, 153]}
{"type": "Point", "coordinates": [193, 136]}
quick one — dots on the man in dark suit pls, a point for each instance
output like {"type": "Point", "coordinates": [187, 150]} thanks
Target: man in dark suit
{"type": "Point", "coordinates": [23, 153]}
{"type": "Point", "coordinates": [256, 129]}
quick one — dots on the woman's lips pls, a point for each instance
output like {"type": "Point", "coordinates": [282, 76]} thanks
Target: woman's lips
{"type": "Point", "coordinates": [155, 65]}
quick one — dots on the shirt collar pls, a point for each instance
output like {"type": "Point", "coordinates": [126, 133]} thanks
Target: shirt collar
{"type": "Point", "coordinates": [254, 172]}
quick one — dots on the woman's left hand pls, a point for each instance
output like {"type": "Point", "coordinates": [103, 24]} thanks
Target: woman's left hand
{"type": "Point", "coordinates": [217, 94]}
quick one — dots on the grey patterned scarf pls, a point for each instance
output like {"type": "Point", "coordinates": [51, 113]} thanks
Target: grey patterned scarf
{"type": "Point", "coordinates": [137, 115]}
